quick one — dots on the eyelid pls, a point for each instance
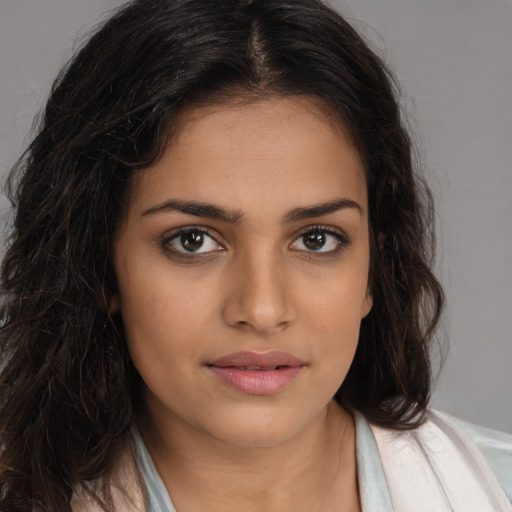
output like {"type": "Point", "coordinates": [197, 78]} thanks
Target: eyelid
{"type": "Point", "coordinates": [339, 234]}
{"type": "Point", "coordinates": [175, 233]}
{"type": "Point", "coordinates": [343, 239]}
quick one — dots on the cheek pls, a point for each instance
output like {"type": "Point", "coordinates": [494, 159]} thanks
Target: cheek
{"type": "Point", "coordinates": [335, 310]}
{"type": "Point", "coordinates": [339, 303]}
{"type": "Point", "coordinates": [166, 316]}
{"type": "Point", "coordinates": [155, 297]}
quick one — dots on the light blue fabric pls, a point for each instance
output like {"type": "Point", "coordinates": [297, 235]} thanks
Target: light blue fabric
{"type": "Point", "coordinates": [372, 482]}
{"type": "Point", "coordinates": [373, 489]}
{"type": "Point", "coordinates": [157, 495]}
{"type": "Point", "coordinates": [495, 446]}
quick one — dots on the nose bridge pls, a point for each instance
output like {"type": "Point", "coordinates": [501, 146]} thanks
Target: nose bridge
{"type": "Point", "coordinates": [259, 294]}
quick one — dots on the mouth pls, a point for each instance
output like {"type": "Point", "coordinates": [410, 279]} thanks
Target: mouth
{"type": "Point", "coordinates": [260, 368]}
{"type": "Point", "coordinates": [257, 373]}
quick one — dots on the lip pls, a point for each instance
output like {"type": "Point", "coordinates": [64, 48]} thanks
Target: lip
{"type": "Point", "coordinates": [257, 373]}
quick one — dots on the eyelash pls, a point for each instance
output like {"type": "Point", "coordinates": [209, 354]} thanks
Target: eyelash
{"type": "Point", "coordinates": [184, 256]}
{"type": "Point", "coordinates": [342, 242]}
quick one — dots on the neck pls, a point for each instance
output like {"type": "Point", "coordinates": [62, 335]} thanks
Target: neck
{"type": "Point", "coordinates": [308, 471]}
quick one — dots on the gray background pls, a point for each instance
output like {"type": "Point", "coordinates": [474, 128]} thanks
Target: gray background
{"type": "Point", "coordinates": [453, 59]}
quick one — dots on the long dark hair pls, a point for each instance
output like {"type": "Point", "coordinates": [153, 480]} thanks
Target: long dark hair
{"type": "Point", "coordinates": [68, 390]}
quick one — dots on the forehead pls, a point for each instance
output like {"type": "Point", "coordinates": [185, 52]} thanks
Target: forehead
{"type": "Point", "coordinates": [276, 153]}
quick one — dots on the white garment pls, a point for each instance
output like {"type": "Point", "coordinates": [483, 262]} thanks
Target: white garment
{"type": "Point", "coordinates": [437, 467]}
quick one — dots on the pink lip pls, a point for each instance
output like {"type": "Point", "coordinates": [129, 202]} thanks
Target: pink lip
{"type": "Point", "coordinates": [257, 373]}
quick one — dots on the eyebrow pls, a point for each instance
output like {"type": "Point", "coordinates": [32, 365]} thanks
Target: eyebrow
{"type": "Point", "coordinates": [318, 210]}
{"type": "Point", "coordinates": [197, 209]}
{"type": "Point", "coordinates": [211, 211]}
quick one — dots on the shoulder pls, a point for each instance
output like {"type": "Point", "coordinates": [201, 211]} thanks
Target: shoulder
{"type": "Point", "coordinates": [125, 487]}
{"type": "Point", "coordinates": [446, 464]}
{"type": "Point", "coordinates": [495, 446]}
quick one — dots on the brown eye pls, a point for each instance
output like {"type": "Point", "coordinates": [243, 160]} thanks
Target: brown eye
{"type": "Point", "coordinates": [192, 241]}
{"type": "Point", "coordinates": [324, 241]}
{"type": "Point", "coordinates": [314, 240]}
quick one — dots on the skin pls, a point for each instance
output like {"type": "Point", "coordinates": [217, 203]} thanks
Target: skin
{"type": "Point", "coordinates": [254, 285]}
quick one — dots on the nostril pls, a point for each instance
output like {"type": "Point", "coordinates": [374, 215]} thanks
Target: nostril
{"type": "Point", "coordinates": [256, 310]}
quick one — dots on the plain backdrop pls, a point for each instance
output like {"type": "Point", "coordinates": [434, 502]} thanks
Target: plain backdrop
{"type": "Point", "coordinates": [453, 59]}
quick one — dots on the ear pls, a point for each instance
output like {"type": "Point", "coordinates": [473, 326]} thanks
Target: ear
{"type": "Point", "coordinates": [114, 304]}
{"type": "Point", "coordinates": [367, 304]}
{"type": "Point", "coordinates": [380, 241]}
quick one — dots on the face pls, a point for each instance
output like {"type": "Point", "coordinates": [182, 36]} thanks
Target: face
{"type": "Point", "coordinates": [242, 268]}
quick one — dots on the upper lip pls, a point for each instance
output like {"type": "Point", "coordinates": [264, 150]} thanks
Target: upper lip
{"type": "Point", "coordinates": [258, 359]}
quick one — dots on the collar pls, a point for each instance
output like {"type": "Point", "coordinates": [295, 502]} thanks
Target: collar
{"type": "Point", "coordinates": [373, 488]}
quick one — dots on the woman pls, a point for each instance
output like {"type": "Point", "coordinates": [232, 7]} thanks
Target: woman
{"type": "Point", "coordinates": [218, 283]}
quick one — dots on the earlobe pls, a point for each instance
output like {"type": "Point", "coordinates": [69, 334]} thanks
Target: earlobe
{"type": "Point", "coordinates": [367, 305]}
{"type": "Point", "coordinates": [114, 304]}
{"type": "Point", "coordinates": [381, 239]}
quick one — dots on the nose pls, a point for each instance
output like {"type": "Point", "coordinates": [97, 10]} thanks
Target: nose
{"type": "Point", "coordinates": [259, 295]}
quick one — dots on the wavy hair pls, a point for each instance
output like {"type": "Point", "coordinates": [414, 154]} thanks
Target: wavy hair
{"type": "Point", "coordinates": [68, 390]}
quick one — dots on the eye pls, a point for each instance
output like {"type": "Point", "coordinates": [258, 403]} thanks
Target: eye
{"type": "Point", "coordinates": [189, 241]}
{"type": "Point", "coordinates": [320, 240]}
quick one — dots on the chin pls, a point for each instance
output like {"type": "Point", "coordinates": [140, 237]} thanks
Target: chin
{"type": "Point", "coordinates": [255, 438]}
{"type": "Point", "coordinates": [261, 428]}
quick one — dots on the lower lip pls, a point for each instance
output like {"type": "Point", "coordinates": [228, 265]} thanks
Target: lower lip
{"type": "Point", "coordinates": [256, 382]}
